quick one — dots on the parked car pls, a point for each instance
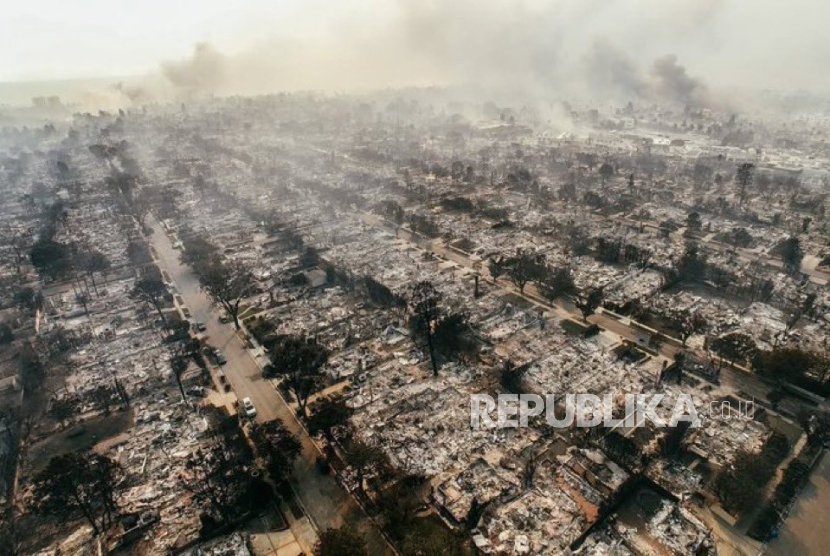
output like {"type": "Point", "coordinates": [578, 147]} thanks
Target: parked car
{"type": "Point", "coordinates": [248, 408]}
{"type": "Point", "coordinates": [199, 326]}
{"type": "Point", "coordinates": [215, 355]}
{"type": "Point", "coordinates": [223, 380]}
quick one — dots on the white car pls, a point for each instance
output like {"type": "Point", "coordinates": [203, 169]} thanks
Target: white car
{"type": "Point", "coordinates": [248, 408]}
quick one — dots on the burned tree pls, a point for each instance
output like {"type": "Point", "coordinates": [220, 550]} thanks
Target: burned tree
{"type": "Point", "coordinates": [151, 290]}
{"type": "Point", "coordinates": [791, 254]}
{"type": "Point", "coordinates": [558, 282]}
{"type": "Point", "coordinates": [524, 268]}
{"type": "Point", "coordinates": [94, 261]}
{"type": "Point", "coordinates": [82, 484]}
{"type": "Point", "coordinates": [743, 177]}
{"type": "Point", "coordinates": [424, 301]}
{"type": "Point", "coordinates": [590, 302]}
{"type": "Point", "coordinates": [686, 323]}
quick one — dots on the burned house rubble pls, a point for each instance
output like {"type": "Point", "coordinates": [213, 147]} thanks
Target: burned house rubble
{"type": "Point", "coordinates": [249, 325]}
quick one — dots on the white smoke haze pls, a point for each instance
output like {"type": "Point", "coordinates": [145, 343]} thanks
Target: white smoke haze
{"type": "Point", "coordinates": [203, 72]}
{"type": "Point", "coordinates": [686, 52]}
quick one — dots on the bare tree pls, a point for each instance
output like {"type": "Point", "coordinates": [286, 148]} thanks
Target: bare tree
{"type": "Point", "coordinates": [93, 261]}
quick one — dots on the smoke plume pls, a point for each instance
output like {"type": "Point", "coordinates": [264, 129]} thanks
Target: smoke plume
{"type": "Point", "coordinates": [589, 50]}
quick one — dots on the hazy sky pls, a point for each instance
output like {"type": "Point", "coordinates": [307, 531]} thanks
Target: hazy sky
{"type": "Point", "coordinates": [319, 43]}
{"type": "Point", "coordinates": [57, 39]}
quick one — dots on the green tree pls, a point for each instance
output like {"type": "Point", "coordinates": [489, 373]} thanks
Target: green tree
{"type": "Point", "coordinates": [671, 441]}
{"type": "Point", "coordinates": [693, 221]}
{"type": "Point", "coordinates": [178, 364]}
{"type": "Point", "coordinates": [453, 337]}
{"type": "Point", "coordinates": [606, 171]}
{"type": "Point", "coordinates": [6, 334]}
{"type": "Point", "coordinates": [738, 486]}
{"type": "Point", "coordinates": [278, 447]}
{"type": "Point", "coordinates": [139, 207]}
{"type": "Point", "coordinates": [138, 253]}
{"type": "Point", "coordinates": [399, 503]}
{"type": "Point", "coordinates": [61, 410]}
{"type": "Point", "coordinates": [692, 265]}
{"type": "Point", "coordinates": [327, 414]}
{"type": "Point", "coordinates": [380, 294]}
{"type": "Point", "coordinates": [431, 538]}
{"type": "Point", "coordinates": [817, 426]}
{"type": "Point", "coordinates": [228, 284]}
{"type": "Point", "coordinates": [198, 252]}
{"type": "Point", "coordinates": [785, 363]}
{"type": "Point", "coordinates": [28, 298]}
{"type": "Point", "coordinates": [299, 362]}
{"type": "Point", "coordinates": [122, 184]}
{"type": "Point", "coordinates": [217, 473]}
{"type": "Point", "coordinates": [496, 267]}
{"type": "Point", "coordinates": [10, 537]}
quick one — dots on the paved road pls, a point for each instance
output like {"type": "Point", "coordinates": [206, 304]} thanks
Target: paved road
{"type": "Point", "coordinates": [325, 501]}
{"type": "Point", "coordinates": [241, 370]}
{"type": "Point", "coordinates": [806, 530]}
